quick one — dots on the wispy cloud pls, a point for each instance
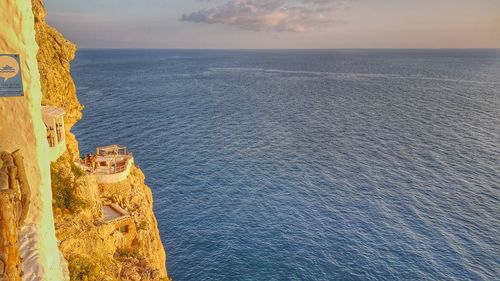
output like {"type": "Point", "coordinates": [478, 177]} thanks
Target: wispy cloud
{"type": "Point", "coordinates": [270, 15]}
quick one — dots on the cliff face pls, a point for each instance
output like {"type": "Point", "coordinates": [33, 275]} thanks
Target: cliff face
{"type": "Point", "coordinates": [95, 249]}
{"type": "Point", "coordinates": [54, 56]}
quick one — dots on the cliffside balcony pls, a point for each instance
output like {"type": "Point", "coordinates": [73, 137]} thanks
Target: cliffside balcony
{"type": "Point", "coordinates": [117, 219]}
{"type": "Point", "coordinates": [110, 164]}
{"type": "Point", "coordinates": [53, 117]}
{"type": "Point", "coordinates": [113, 213]}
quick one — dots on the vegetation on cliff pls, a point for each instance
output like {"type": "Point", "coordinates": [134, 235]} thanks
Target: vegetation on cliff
{"type": "Point", "coordinates": [94, 248]}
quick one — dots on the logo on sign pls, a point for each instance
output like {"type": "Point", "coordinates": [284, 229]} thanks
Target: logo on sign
{"type": "Point", "coordinates": [10, 76]}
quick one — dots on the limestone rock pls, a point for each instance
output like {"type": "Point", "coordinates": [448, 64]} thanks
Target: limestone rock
{"type": "Point", "coordinates": [54, 56]}
{"type": "Point", "coordinates": [127, 249]}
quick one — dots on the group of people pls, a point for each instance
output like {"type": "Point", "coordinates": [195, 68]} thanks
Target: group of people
{"type": "Point", "coordinates": [90, 161]}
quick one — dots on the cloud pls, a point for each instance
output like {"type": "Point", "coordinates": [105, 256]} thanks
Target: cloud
{"type": "Point", "coordinates": [270, 15]}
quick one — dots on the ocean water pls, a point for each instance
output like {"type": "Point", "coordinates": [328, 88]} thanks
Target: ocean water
{"type": "Point", "coordinates": [309, 164]}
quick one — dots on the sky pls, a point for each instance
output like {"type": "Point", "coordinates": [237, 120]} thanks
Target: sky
{"type": "Point", "coordinates": [277, 24]}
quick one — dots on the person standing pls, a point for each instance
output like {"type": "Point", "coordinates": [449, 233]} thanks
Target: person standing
{"type": "Point", "coordinates": [93, 162]}
{"type": "Point", "coordinates": [87, 160]}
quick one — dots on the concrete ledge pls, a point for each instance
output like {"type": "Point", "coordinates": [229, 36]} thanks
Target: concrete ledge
{"type": "Point", "coordinates": [112, 213]}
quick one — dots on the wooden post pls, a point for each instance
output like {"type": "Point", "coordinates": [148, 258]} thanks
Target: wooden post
{"type": "Point", "coordinates": [12, 174]}
{"type": "Point", "coordinates": [55, 132]}
{"type": "Point", "coordinates": [63, 129]}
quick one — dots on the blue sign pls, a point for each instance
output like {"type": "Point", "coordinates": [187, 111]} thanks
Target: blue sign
{"type": "Point", "coordinates": [11, 82]}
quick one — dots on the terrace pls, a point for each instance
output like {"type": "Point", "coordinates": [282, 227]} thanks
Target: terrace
{"type": "Point", "coordinates": [117, 219]}
{"type": "Point", "coordinates": [114, 213]}
{"type": "Point", "coordinates": [110, 164]}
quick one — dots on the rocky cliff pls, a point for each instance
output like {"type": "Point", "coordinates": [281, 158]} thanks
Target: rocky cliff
{"type": "Point", "coordinates": [95, 249]}
{"type": "Point", "coordinates": [54, 56]}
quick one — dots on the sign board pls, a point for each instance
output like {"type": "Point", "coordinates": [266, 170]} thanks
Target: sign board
{"type": "Point", "coordinates": [11, 82]}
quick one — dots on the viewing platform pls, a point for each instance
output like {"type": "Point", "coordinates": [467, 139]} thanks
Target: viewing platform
{"type": "Point", "coordinates": [117, 219]}
{"type": "Point", "coordinates": [110, 164]}
{"type": "Point", "coordinates": [114, 213]}
{"type": "Point", "coordinates": [53, 117]}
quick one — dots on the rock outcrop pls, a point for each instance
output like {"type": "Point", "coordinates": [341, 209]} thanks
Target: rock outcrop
{"type": "Point", "coordinates": [88, 241]}
{"type": "Point", "coordinates": [54, 56]}
{"type": "Point", "coordinates": [126, 248]}
{"type": "Point", "coordinates": [105, 232]}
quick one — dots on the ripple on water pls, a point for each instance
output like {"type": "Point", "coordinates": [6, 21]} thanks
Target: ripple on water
{"type": "Point", "coordinates": [309, 165]}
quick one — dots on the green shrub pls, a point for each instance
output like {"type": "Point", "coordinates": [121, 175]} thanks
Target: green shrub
{"type": "Point", "coordinates": [84, 269]}
{"type": "Point", "coordinates": [121, 253]}
{"type": "Point", "coordinates": [77, 171]}
{"type": "Point", "coordinates": [63, 194]}
{"type": "Point", "coordinates": [143, 225]}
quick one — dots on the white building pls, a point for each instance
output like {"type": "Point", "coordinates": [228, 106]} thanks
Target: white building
{"type": "Point", "coordinates": [53, 117]}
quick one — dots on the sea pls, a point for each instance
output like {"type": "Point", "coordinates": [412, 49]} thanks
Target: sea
{"type": "Point", "coordinates": [308, 164]}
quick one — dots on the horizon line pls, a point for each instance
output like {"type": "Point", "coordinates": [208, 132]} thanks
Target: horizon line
{"type": "Point", "coordinates": [285, 49]}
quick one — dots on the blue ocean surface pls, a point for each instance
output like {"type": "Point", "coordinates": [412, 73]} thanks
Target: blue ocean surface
{"type": "Point", "coordinates": [309, 164]}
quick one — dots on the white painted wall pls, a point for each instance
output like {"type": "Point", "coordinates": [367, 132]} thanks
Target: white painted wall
{"type": "Point", "coordinates": [21, 126]}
